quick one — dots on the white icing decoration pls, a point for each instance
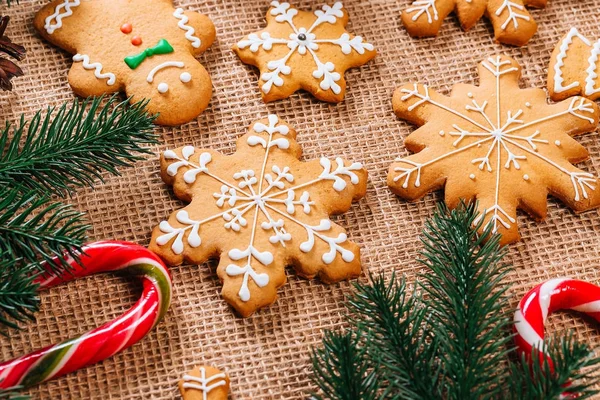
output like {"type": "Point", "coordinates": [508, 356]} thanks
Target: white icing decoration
{"type": "Point", "coordinates": [557, 142]}
{"type": "Point", "coordinates": [442, 133]}
{"type": "Point", "coordinates": [509, 135]}
{"type": "Point", "coordinates": [303, 41]}
{"type": "Point", "coordinates": [163, 88]}
{"type": "Point", "coordinates": [97, 67]}
{"type": "Point", "coordinates": [167, 64]}
{"type": "Point", "coordinates": [189, 31]}
{"type": "Point", "coordinates": [528, 104]}
{"type": "Point", "coordinates": [59, 16]}
{"type": "Point", "coordinates": [271, 194]}
{"type": "Point", "coordinates": [526, 177]}
{"type": "Point", "coordinates": [185, 77]}
{"type": "Point", "coordinates": [472, 176]}
{"type": "Point", "coordinates": [204, 384]}
{"type": "Point", "coordinates": [426, 7]}
{"type": "Point", "coordinates": [560, 60]}
{"type": "Point", "coordinates": [512, 14]}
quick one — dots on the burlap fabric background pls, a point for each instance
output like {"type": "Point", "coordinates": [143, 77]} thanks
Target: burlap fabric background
{"type": "Point", "coordinates": [267, 355]}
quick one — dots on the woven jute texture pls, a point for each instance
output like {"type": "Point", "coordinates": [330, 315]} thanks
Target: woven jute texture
{"type": "Point", "coordinates": [267, 355]}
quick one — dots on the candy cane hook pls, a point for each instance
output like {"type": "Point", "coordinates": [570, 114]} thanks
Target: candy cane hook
{"type": "Point", "coordinates": [110, 338]}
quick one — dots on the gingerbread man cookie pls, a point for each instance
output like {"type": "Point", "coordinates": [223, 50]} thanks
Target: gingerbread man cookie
{"type": "Point", "coordinates": [145, 48]}
{"type": "Point", "coordinates": [258, 211]}
{"type": "Point", "coordinates": [573, 67]}
{"type": "Point", "coordinates": [204, 383]}
{"type": "Point", "coordinates": [498, 144]}
{"type": "Point", "coordinates": [512, 23]}
{"type": "Point", "coordinates": [304, 50]}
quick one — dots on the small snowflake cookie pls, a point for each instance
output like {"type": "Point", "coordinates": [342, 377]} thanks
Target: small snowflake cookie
{"type": "Point", "coordinates": [304, 50]}
{"type": "Point", "coordinates": [144, 48]}
{"type": "Point", "coordinates": [512, 23]}
{"type": "Point", "coordinates": [498, 144]}
{"type": "Point", "coordinates": [260, 210]}
{"type": "Point", "coordinates": [573, 67]}
{"type": "Point", "coordinates": [204, 383]}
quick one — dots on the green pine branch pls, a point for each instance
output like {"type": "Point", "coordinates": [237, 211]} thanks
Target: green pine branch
{"type": "Point", "coordinates": [466, 298]}
{"type": "Point", "coordinates": [36, 229]}
{"type": "Point", "coordinates": [18, 292]}
{"type": "Point", "coordinates": [448, 338]}
{"type": "Point", "coordinates": [69, 147]}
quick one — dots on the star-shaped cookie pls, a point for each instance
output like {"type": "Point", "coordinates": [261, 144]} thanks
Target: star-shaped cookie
{"type": "Point", "coordinates": [498, 144]}
{"type": "Point", "coordinates": [304, 50]}
{"type": "Point", "coordinates": [258, 211]}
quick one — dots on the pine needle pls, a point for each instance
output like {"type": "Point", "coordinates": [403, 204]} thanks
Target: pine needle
{"type": "Point", "coordinates": [18, 293]}
{"type": "Point", "coordinates": [36, 229]}
{"type": "Point", "coordinates": [69, 147]}
{"type": "Point", "coordinates": [465, 294]}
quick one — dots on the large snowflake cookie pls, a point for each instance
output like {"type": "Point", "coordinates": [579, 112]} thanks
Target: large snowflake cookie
{"type": "Point", "coordinates": [145, 48]}
{"type": "Point", "coordinates": [260, 210]}
{"type": "Point", "coordinates": [510, 19]}
{"type": "Point", "coordinates": [573, 67]}
{"type": "Point", "coordinates": [304, 50]}
{"type": "Point", "coordinates": [498, 144]}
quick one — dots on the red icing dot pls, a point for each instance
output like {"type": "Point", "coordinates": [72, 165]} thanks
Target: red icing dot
{"type": "Point", "coordinates": [126, 28]}
{"type": "Point", "coordinates": [136, 40]}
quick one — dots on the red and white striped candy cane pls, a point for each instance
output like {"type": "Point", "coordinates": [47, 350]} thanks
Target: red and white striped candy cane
{"type": "Point", "coordinates": [552, 295]}
{"type": "Point", "coordinates": [110, 338]}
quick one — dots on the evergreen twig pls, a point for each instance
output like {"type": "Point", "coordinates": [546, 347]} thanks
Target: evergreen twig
{"type": "Point", "coordinates": [71, 146]}
{"type": "Point", "coordinates": [446, 340]}
{"type": "Point", "coordinates": [464, 288]}
{"type": "Point", "coordinates": [18, 293]}
{"type": "Point", "coordinates": [34, 229]}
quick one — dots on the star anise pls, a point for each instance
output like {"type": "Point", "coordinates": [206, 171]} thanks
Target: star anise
{"type": "Point", "coordinates": [9, 69]}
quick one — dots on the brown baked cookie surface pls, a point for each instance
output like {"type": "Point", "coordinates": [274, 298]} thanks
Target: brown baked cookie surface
{"type": "Point", "coordinates": [573, 68]}
{"type": "Point", "coordinates": [145, 48]}
{"type": "Point", "coordinates": [511, 21]}
{"type": "Point", "coordinates": [496, 143]}
{"type": "Point", "coordinates": [304, 50]}
{"type": "Point", "coordinates": [258, 211]}
{"type": "Point", "coordinates": [204, 383]}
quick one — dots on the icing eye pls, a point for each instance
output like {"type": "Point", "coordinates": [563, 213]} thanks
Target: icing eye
{"type": "Point", "coordinates": [136, 40]}
{"type": "Point", "coordinates": [163, 88]}
{"type": "Point", "coordinates": [185, 77]}
{"type": "Point", "coordinates": [126, 28]}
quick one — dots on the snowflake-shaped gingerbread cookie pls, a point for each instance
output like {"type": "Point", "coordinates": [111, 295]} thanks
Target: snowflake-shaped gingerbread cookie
{"type": "Point", "coordinates": [511, 21]}
{"type": "Point", "coordinates": [498, 144]}
{"type": "Point", "coordinates": [145, 48]}
{"type": "Point", "coordinates": [304, 50]}
{"type": "Point", "coordinates": [260, 210]}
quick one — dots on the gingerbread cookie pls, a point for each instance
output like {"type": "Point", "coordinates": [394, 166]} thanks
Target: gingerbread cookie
{"type": "Point", "coordinates": [145, 48]}
{"type": "Point", "coordinates": [304, 50]}
{"type": "Point", "coordinates": [498, 144]}
{"type": "Point", "coordinates": [573, 67]}
{"type": "Point", "coordinates": [258, 211]}
{"type": "Point", "coordinates": [510, 19]}
{"type": "Point", "coordinates": [204, 383]}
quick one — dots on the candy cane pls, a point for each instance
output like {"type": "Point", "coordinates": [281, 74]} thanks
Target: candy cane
{"type": "Point", "coordinates": [112, 337]}
{"type": "Point", "coordinates": [555, 294]}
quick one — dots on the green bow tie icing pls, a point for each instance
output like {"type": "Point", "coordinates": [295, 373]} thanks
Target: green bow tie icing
{"type": "Point", "coordinates": [163, 47]}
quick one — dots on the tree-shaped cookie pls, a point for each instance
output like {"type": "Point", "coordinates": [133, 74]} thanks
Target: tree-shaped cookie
{"type": "Point", "coordinates": [304, 50]}
{"type": "Point", "coordinates": [510, 19]}
{"type": "Point", "coordinates": [145, 48]}
{"type": "Point", "coordinates": [258, 211]}
{"type": "Point", "coordinates": [573, 68]}
{"type": "Point", "coordinates": [498, 144]}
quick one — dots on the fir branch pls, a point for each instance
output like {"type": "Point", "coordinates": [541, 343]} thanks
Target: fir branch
{"type": "Point", "coordinates": [342, 370]}
{"type": "Point", "coordinates": [34, 229]}
{"type": "Point", "coordinates": [71, 147]}
{"type": "Point", "coordinates": [11, 395]}
{"type": "Point", "coordinates": [572, 371]}
{"type": "Point", "coordinates": [465, 294]}
{"type": "Point", "coordinates": [18, 292]}
{"type": "Point", "coordinates": [400, 343]}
